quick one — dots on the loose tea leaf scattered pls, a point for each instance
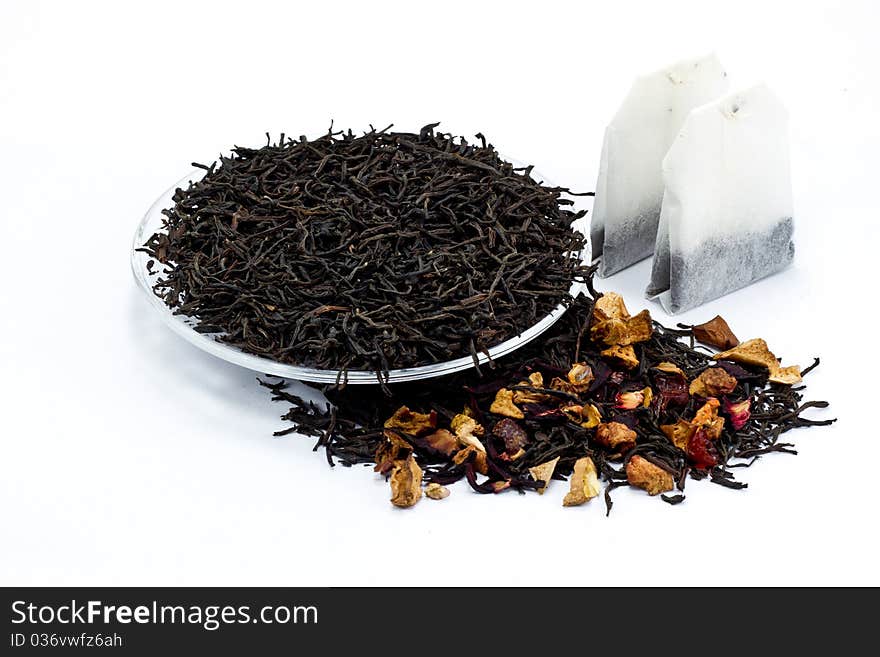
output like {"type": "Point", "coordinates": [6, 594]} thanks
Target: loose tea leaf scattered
{"type": "Point", "coordinates": [502, 428]}
{"type": "Point", "coordinates": [374, 252]}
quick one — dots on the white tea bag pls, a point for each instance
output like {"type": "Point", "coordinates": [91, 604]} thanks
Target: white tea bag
{"type": "Point", "coordinates": [630, 187]}
{"type": "Point", "coordinates": [727, 207]}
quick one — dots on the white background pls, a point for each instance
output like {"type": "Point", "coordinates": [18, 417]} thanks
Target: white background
{"type": "Point", "coordinates": [129, 457]}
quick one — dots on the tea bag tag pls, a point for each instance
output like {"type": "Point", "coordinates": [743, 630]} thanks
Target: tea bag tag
{"type": "Point", "coordinates": [727, 217]}
{"type": "Point", "coordinates": [629, 189]}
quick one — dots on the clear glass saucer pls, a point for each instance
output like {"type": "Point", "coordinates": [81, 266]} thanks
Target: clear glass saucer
{"type": "Point", "coordinates": [185, 326]}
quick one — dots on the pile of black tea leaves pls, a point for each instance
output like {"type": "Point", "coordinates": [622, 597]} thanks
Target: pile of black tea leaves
{"type": "Point", "coordinates": [603, 399]}
{"type": "Point", "coordinates": [371, 253]}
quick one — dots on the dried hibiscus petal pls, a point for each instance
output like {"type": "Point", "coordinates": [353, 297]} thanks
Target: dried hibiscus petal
{"type": "Point", "coordinates": [601, 371]}
{"type": "Point", "coordinates": [626, 419]}
{"type": "Point", "coordinates": [739, 373]}
{"type": "Point", "coordinates": [543, 413]}
{"type": "Point", "coordinates": [672, 389]}
{"type": "Point", "coordinates": [701, 451]}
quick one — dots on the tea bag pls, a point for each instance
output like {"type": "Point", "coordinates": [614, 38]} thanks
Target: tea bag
{"type": "Point", "coordinates": [630, 187]}
{"type": "Point", "coordinates": [727, 206]}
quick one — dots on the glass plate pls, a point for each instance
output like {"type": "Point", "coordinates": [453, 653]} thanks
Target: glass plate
{"type": "Point", "coordinates": [184, 326]}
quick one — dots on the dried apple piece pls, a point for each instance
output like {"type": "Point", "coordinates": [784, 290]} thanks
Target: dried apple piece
{"type": "Point", "coordinates": [707, 419]}
{"type": "Point", "coordinates": [388, 451]}
{"type": "Point", "coordinates": [716, 333]}
{"type": "Point", "coordinates": [670, 368]}
{"type": "Point", "coordinates": [679, 433]}
{"type": "Point", "coordinates": [464, 422]}
{"type": "Point", "coordinates": [443, 441]}
{"type": "Point", "coordinates": [610, 306]}
{"type": "Point", "coordinates": [638, 329]}
{"type": "Point", "coordinates": [586, 415]}
{"type": "Point", "coordinates": [406, 482]}
{"type": "Point", "coordinates": [750, 352]}
{"type": "Point", "coordinates": [651, 478]}
{"type": "Point", "coordinates": [544, 472]}
{"type": "Point", "coordinates": [609, 331]}
{"type": "Point", "coordinates": [786, 375]}
{"type": "Point", "coordinates": [466, 433]}
{"type": "Point", "coordinates": [756, 352]}
{"type": "Point", "coordinates": [436, 492]}
{"type": "Point", "coordinates": [625, 356]}
{"type": "Point", "coordinates": [615, 436]}
{"type": "Point", "coordinates": [410, 422]}
{"type": "Point", "coordinates": [481, 464]}
{"type": "Point", "coordinates": [591, 416]}
{"type": "Point", "coordinates": [584, 483]}
{"type": "Point", "coordinates": [503, 405]}
{"type": "Point", "coordinates": [536, 380]}
{"type": "Point", "coordinates": [580, 376]}
{"type": "Point", "coordinates": [623, 332]}
{"type": "Point", "coordinates": [712, 382]}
